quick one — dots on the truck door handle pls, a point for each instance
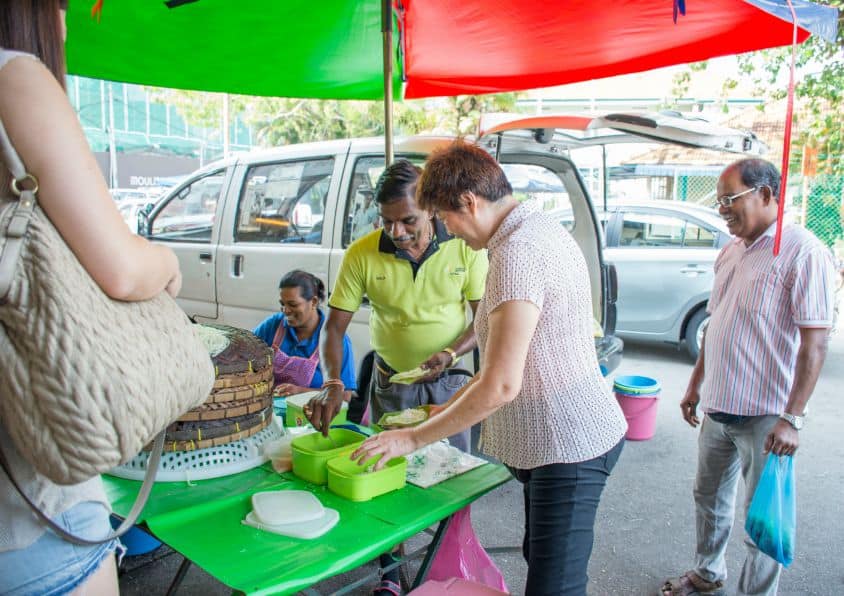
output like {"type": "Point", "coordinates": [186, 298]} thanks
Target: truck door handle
{"type": "Point", "coordinates": [693, 269]}
{"type": "Point", "coordinates": [237, 265]}
{"type": "Point", "coordinates": [205, 257]}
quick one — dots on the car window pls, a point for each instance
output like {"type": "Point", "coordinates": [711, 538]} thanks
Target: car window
{"type": "Point", "coordinates": [567, 220]}
{"type": "Point", "coordinates": [361, 210]}
{"type": "Point", "coordinates": [284, 202]}
{"type": "Point", "coordinates": [535, 182]}
{"type": "Point", "coordinates": [189, 214]}
{"type": "Point", "coordinates": [651, 230]}
{"type": "Point", "coordinates": [698, 237]}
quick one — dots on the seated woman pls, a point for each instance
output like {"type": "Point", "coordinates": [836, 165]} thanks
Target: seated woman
{"type": "Point", "coordinates": [294, 335]}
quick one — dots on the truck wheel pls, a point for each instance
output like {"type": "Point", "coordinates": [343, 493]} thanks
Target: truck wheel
{"type": "Point", "coordinates": [694, 331]}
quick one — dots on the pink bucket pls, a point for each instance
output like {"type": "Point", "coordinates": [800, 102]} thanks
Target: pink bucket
{"type": "Point", "coordinates": [640, 412]}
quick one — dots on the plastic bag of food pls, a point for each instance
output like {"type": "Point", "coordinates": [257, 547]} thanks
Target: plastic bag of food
{"type": "Point", "coordinates": [404, 418]}
{"type": "Point", "coordinates": [772, 517]}
{"type": "Point", "coordinates": [409, 377]}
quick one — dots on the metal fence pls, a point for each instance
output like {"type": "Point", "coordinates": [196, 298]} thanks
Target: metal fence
{"type": "Point", "coordinates": [128, 118]}
{"type": "Point", "coordinates": [816, 202]}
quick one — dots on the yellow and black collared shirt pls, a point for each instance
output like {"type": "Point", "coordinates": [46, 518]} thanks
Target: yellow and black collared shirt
{"type": "Point", "coordinates": [418, 307]}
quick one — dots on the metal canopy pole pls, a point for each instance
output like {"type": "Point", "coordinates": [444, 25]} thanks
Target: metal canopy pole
{"type": "Point", "coordinates": [387, 49]}
{"type": "Point", "coordinates": [604, 174]}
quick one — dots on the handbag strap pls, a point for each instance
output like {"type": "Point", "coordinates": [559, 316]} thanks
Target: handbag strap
{"type": "Point", "coordinates": [24, 206]}
{"type": "Point", "coordinates": [128, 522]}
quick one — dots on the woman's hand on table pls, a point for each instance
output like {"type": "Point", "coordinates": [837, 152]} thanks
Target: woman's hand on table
{"type": "Point", "coordinates": [387, 444]}
{"type": "Point", "coordinates": [285, 389]}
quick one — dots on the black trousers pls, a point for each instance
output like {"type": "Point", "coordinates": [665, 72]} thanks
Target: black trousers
{"type": "Point", "coordinates": [561, 501]}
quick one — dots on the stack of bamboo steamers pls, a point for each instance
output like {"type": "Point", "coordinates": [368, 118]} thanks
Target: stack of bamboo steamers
{"type": "Point", "coordinates": [241, 402]}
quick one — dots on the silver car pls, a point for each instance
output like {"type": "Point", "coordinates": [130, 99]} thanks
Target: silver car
{"type": "Point", "coordinates": [663, 252]}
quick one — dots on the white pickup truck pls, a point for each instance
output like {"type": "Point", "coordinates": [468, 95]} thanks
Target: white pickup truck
{"type": "Point", "coordinates": [239, 224]}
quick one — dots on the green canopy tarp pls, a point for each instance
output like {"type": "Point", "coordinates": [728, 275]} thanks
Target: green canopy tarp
{"type": "Point", "coordinates": [290, 48]}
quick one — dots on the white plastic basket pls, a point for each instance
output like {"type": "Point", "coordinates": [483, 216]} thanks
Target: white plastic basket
{"type": "Point", "coordinates": [203, 464]}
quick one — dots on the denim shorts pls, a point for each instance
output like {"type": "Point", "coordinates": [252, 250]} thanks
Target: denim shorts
{"type": "Point", "coordinates": [52, 565]}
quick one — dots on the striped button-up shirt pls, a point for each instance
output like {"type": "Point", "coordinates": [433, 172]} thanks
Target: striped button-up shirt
{"type": "Point", "coordinates": [758, 304]}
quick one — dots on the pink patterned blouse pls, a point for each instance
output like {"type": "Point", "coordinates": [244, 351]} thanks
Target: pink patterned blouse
{"type": "Point", "coordinates": [565, 411]}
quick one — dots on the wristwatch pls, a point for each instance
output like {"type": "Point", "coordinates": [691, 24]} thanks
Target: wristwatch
{"type": "Point", "coordinates": [453, 354]}
{"type": "Point", "coordinates": [795, 421]}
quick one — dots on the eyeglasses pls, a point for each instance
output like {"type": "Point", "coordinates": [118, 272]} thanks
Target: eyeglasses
{"type": "Point", "coordinates": [727, 200]}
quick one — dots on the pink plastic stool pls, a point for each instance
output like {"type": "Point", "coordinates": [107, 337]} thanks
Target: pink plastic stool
{"type": "Point", "coordinates": [457, 587]}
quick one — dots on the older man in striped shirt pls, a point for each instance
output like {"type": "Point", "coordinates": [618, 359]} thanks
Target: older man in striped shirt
{"type": "Point", "coordinates": [763, 351]}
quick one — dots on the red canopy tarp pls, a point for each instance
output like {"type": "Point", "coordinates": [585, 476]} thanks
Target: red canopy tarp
{"type": "Point", "coordinates": [455, 47]}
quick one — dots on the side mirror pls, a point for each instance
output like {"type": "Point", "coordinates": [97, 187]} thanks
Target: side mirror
{"type": "Point", "coordinates": [143, 219]}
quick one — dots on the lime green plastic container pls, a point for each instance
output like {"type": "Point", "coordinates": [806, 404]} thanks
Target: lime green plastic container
{"type": "Point", "coordinates": [311, 452]}
{"type": "Point", "coordinates": [350, 480]}
{"type": "Point", "coordinates": [294, 415]}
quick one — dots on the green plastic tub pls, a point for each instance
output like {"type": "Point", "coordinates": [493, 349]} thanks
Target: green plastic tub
{"type": "Point", "coordinates": [350, 480]}
{"type": "Point", "coordinates": [294, 414]}
{"type": "Point", "coordinates": [311, 452]}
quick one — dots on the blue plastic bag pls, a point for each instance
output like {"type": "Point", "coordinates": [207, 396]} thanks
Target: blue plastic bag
{"type": "Point", "coordinates": [772, 517]}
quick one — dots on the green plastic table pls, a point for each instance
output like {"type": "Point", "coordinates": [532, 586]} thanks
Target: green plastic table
{"type": "Point", "coordinates": [202, 521]}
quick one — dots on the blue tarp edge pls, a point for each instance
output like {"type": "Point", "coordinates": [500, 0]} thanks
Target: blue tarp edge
{"type": "Point", "coordinates": [817, 19]}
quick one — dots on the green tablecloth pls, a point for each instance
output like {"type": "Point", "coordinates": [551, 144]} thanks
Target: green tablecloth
{"type": "Point", "coordinates": [202, 522]}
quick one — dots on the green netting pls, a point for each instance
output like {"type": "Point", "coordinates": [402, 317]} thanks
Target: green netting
{"type": "Point", "coordinates": [202, 521]}
{"type": "Point", "coordinates": [820, 205]}
{"type": "Point", "coordinates": [296, 48]}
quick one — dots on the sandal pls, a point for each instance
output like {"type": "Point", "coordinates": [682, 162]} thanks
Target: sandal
{"type": "Point", "coordinates": [387, 588]}
{"type": "Point", "coordinates": [691, 584]}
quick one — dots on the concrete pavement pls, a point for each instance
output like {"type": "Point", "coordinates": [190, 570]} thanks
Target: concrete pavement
{"type": "Point", "coordinates": [645, 527]}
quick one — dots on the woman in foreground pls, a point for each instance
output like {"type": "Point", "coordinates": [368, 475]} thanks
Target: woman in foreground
{"type": "Point", "coordinates": [46, 133]}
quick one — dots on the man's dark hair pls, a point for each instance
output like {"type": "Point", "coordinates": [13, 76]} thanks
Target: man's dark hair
{"type": "Point", "coordinates": [759, 172]}
{"type": "Point", "coordinates": [397, 181]}
{"type": "Point", "coordinates": [309, 285]}
{"type": "Point", "coordinates": [460, 167]}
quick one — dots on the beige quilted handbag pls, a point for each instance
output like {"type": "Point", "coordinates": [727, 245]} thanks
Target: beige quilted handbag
{"type": "Point", "coordinates": [86, 381]}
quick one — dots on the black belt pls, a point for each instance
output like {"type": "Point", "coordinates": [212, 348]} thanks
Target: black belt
{"type": "Point", "coordinates": [383, 367]}
{"type": "Point", "coordinates": [724, 418]}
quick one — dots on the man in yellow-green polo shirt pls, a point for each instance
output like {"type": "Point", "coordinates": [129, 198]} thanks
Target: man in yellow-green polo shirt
{"type": "Point", "coordinates": [418, 280]}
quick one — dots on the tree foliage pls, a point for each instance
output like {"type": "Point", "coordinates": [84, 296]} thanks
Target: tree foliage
{"type": "Point", "coordinates": [819, 76]}
{"type": "Point", "coordinates": [282, 121]}
{"type": "Point", "coordinates": [818, 126]}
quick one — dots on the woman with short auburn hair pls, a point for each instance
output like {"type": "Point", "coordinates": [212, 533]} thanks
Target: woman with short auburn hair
{"type": "Point", "coordinates": [547, 412]}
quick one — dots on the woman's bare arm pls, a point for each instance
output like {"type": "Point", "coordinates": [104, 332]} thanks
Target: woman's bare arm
{"type": "Point", "coordinates": [46, 134]}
